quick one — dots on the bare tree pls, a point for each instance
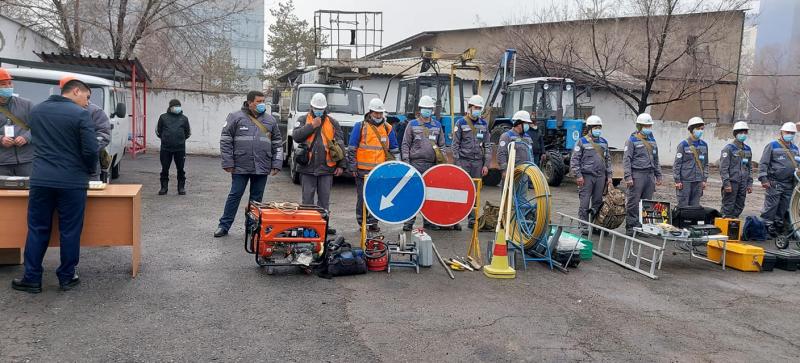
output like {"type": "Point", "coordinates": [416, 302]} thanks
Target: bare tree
{"type": "Point", "coordinates": [644, 52]}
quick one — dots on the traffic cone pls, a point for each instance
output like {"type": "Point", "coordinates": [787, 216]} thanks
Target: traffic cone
{"type": "Point", "coordinates": [499, 268]}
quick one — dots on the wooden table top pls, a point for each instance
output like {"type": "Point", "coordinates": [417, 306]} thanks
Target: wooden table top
{"type": "Point", "coordinates": [111, 191]}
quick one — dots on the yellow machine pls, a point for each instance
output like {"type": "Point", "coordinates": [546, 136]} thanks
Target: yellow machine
{"type": "Point", "coordinates": [731, 227]}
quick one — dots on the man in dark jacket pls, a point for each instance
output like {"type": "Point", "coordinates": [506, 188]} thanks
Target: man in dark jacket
{"type": "Point", "coordinates": [251, 148]}
{"type": "Point", "coordinates": [65, 156]}
{"type": "Point", "coordinates": [16, 151]}
{"type": "Point", "coordinates": [102, 130]}
{"type": "Point", "coordinates": [536, 134]}
{"type": "Point", "coordinates": [173, 130]}
{"type": "Point", "coordinates": [318, 130]}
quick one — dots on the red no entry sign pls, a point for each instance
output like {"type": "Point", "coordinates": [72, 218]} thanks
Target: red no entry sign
{"type": "Point", "coordinates": [449, 195]}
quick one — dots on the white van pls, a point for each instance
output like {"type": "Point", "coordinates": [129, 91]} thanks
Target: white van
{"type": "Point", "coordinates": [38, 84]}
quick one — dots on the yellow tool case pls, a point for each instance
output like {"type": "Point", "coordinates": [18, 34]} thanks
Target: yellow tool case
{"type": "Point", "coordinates": [740, 256]}
{"type": "Point", "coordinates": [731, 227]}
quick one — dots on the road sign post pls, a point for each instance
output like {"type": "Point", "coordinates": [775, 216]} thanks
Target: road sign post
{"type": "Point", "coordinates": [394, 192]}
{"type": "Point", "coordinates": [449, 195]}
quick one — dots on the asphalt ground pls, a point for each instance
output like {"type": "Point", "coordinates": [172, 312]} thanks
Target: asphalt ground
{"type": "Point", "coordinates": [200, 298]}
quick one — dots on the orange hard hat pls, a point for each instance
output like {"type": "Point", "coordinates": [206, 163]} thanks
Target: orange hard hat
{"type": "Point", "coordinates": [66, 80]}
{"type": "Point", "coordinates": [4, 75]}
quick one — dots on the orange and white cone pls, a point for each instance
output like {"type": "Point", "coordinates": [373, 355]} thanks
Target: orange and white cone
{"type": "Point", "coordinates": [499, 268]}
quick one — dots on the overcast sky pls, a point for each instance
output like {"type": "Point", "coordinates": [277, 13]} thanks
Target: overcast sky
{"type": "Point", "coordinates": [403, 18]}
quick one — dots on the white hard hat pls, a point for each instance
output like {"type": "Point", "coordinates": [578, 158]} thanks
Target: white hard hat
{"type": "Point", "coordinates": [789, 127]}
{"type": "Point", "coordinates": [594, 120]}
{"type": "Point", "coordinates": [376, 105]}
{"type": "Point", "coordinates": [644, 119]}
{"type": "Point", "coordinates": [426, 102]}
{"type": "Point", "coordinates": [319, 101]}
{"type": "Point", "coordinates": [696, 121]}
{"type": "Point", "coordinates": [523, 116]}
{"type": "Point", "coordinates": [476, 100]}
{"type": "Point", "coordinates": [740, 125]}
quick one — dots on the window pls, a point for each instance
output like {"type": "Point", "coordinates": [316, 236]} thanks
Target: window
{"type": "Point", "coordinates": [38, 90]}
{"type": "Point", "coordinates": [401, 98]}
{"type": "Point", "coordinates": [339, 100]}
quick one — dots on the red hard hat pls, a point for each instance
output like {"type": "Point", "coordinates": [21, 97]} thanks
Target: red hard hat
{"type": "Point", "coordinates": [4, 75]}
{"type": "Point", "coordinates": [66, 80]}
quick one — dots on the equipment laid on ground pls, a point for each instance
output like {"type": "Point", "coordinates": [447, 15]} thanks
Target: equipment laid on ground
{"type": "Point", "coordinates": [656, 219]}
{"type": "Point", "coordinates": [15, 182]}
{"type": "Point", "coordinates": [612, 213]}
{"type": "Point", "coordinates": [441, 261]}
{"type": "Point", "coordinates": [403, 254]}
{"type": "Point", "coordinates": [740, 256]}
{"type": "Point", "coordinates": [769, 262]}
{"type": "Point", "coordinates": [783, 241]}
{"type": "Point", "coordinates": [424, 245]}
{"type": "Point", "coordinates": [693, 215]}
{"type": "Point", "coordinates": [376, 254]}
{"type": "Point", "coordinates": [285, 234]}
{"type": "Point", "coordinates": [787, 260]}
{"type": "Point", "coordinates": [731, 227]}
{"type": "Point", "coordinates": [488, 219]}
{"type": "Point", "coordinates": [344, 260]}
{"type": "Point", "coordinates": [755, 230]}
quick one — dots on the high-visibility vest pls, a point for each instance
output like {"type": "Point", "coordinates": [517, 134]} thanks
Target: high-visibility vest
{"type": "Point", "coordinates": [370, 151]}
{"type": "Point", "coordinates": [328, 133]}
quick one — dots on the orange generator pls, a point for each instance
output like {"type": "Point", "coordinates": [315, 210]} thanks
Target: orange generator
{"type": "Point", "coordinates": [285, 234]}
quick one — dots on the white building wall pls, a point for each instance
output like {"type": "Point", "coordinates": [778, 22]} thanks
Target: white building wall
{"type": "Point", "coordinates": [19, 42]}
{"type": "Point", "coordinates": [206, 113]}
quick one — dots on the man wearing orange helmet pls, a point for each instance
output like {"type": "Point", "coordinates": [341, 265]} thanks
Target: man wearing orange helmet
{"type": "Point", "coordinates": [16, 152]}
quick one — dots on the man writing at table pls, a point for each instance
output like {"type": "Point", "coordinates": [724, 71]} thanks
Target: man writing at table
{"type": "Point", "coordinates": [64, 157]}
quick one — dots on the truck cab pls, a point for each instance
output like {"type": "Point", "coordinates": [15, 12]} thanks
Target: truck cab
{"type": "Point", "coordinates": [345, 105]}
{"type": "Point", "coordinates": [37, 85]}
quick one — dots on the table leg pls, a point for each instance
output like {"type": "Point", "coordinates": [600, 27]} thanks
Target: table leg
{"type": "Point", "coordinates": [724, 253]}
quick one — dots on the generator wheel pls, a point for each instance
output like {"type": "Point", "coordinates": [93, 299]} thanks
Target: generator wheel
{"type": "Point", "coordinates": [782, 242]}
{"type": "Point", "coordinates": [554, 168]}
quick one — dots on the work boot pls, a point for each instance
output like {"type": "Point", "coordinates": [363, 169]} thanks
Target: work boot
{"type": "Point", "coordinates": [22, 285]}
{"type": "Point", "coordinates": [181, 187]}
{"type": "Point", "coordinates": [220, 232]}
{"type": "Point", "coordinates": [331, 231]}
{"type": "Point", "coordinates": [164, 185]}
{"type": "Point", "coordinates": [373, 228]}
{"type": "Point", "coordinates": [456, 227]}
{"type": "Point", "coordinates": [71, 284]}
{"type": "Point", "coordinates": [471, 224]}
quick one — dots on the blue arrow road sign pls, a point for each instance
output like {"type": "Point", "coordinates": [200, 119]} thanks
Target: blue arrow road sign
{"type": "Point", "coordinates": [394, 192]}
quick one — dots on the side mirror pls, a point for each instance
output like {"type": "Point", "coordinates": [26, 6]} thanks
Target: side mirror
{"type": "Point", "coordinates": [120, 111]}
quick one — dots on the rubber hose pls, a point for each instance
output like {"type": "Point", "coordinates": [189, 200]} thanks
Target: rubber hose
{"type": "Point", "coordinates": [529, 231]}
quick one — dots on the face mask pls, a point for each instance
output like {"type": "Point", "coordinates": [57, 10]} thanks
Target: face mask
{"type": "Point", "coordinates": [741, 137]}
{"type": "Point", "coordinates": [377, 120]}
{"type": "Point", "coordinates": [426, 112]}
{"type": "Point", "coordinates": [176, 109]}
{"type": "Point", "coordinates": [788, 137]}
{"type": "Point", "coordinates": [697, 134]}
{"type": "Point", "coordinates": [6, 92]}
{"type": "Point", "coordinates": [647, 131]}
{"type": "Point", "coordinates": [597, 132]}
{"type": "Point", "coordinates": [261, 108]}
{"type": "Point", "coordinates": [318, 113]}
{"type": "Point", "coordinates": [526, 127]}
{"type": "Point", "coordinates": [476, 114]}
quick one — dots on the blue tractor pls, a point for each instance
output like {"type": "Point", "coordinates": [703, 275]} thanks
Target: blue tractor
{"type": "Point", "coordinates": [551, 101]}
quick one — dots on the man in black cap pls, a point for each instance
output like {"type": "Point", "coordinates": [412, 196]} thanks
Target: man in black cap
{"type": "Point", "coordinates": [173, 130]}
{"type": "Point", "coordinates": [64, 157]}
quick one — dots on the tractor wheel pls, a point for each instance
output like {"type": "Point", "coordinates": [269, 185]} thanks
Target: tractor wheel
{"type": "Point", "coordinates": [494, 176]}
{"type": "Point", "coordinates": [554, 168]}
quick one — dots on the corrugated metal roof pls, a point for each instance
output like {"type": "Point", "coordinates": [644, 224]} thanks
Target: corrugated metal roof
{"type": "Point", "coordinates": [124, 66]}
{"type": "Point", "coordinates": [392, 67]}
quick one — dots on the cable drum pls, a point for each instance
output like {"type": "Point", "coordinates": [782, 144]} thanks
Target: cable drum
{"type": "Point", "coordinates": [530, 218]}
{"type": "Point", "coordinates": [794, 210]}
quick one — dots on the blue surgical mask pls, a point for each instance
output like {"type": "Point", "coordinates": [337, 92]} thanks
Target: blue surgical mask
{"type": "Point", "coordinates": [377, 120]}
{"type": "Point", "coordinates": [788, 137]}
{"type": "Point", "coordinates": [6, 92]}
{"type": "Point", "coordinates": [318, 113]}
{"type": "Point", "coordinates": [697, 134]}
{"type": "Point", "coordinates": [261, 108]}
{"type": "Point", "coordinates": [176, 109]}
{"type": "Point", "coordinates": [426, 112]}
{"type": "Point", "coordinates": [647, 131]}
{"type": "Point", "coordinates": [741, 137]}
{"type": "Point", "coordinates": [526, 127]}
{"type": "Point", "coordinates": [476, 114]}
{"type": "Point", "coordinates": [596, 132]}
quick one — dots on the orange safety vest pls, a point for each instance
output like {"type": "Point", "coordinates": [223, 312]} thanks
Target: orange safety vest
{"type": "Point", "coordinates": [370, 151]}
{"type": "Point", "coordinates": [328, 133]}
